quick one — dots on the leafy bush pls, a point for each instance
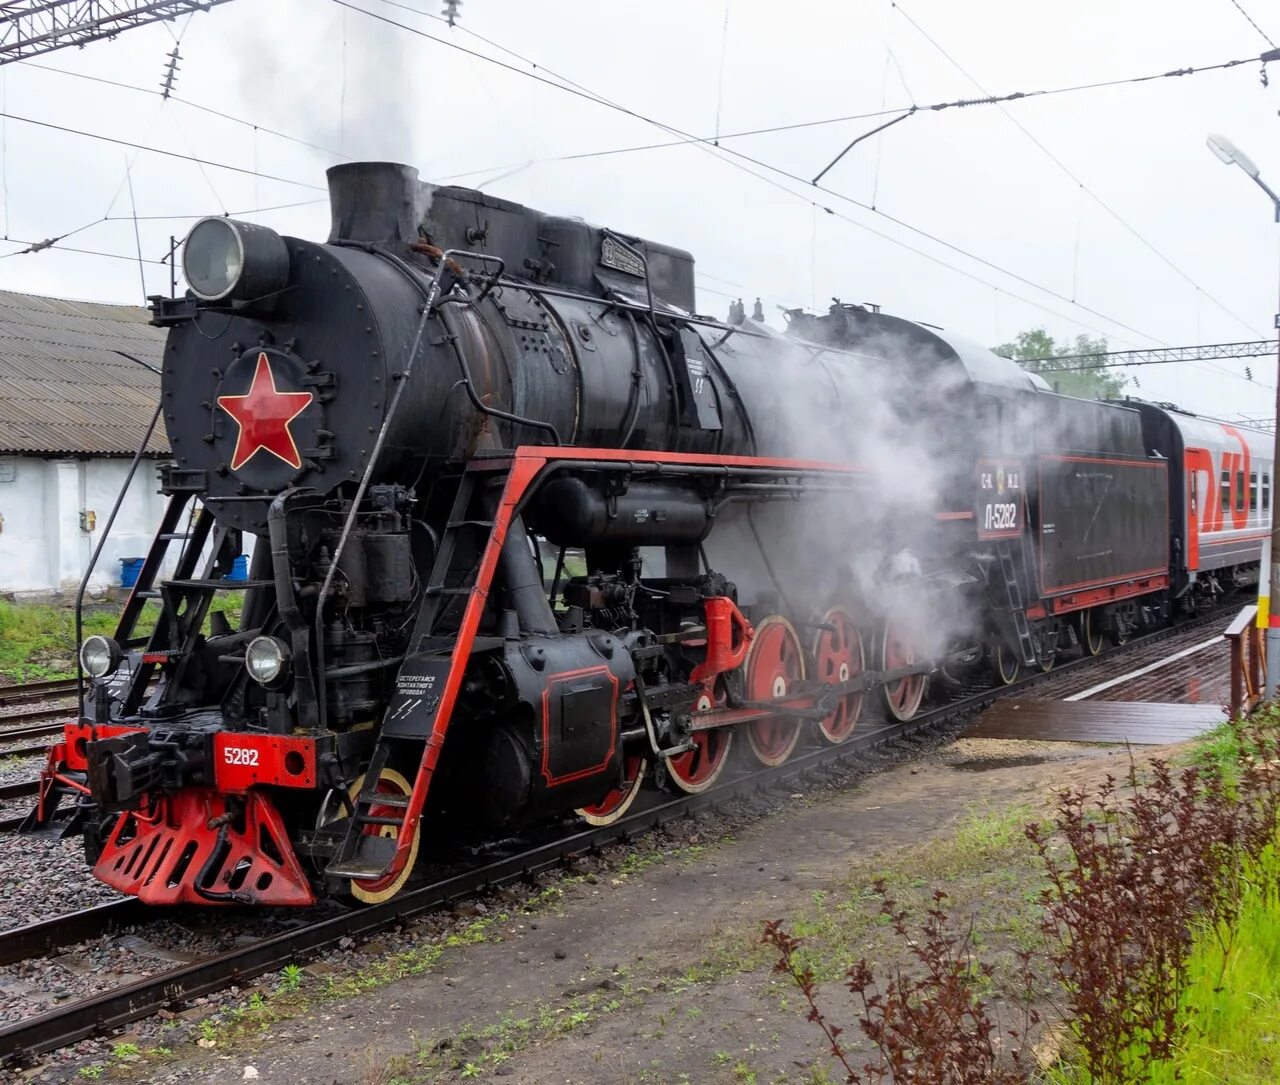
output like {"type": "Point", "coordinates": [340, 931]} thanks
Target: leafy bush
{"type": "Point", "coordinates": [927, 1029]}
{"type": "Point", "coordinates": [1159, 915]}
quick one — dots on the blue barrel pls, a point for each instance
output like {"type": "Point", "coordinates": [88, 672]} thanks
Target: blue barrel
{"type": "Point", "coordinates": [129, 570]}
{"type": "Point", "coordinates": [239, 569]}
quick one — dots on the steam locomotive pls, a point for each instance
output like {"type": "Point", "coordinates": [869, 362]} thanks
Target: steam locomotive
{"type": "Point", "coordinates": [528, 534]}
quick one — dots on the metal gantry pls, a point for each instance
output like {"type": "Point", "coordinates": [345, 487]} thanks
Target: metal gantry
{"type": "Point", "coordinates": [1201, 352]}
{"type": "Point", "coordinates": [31, 27]}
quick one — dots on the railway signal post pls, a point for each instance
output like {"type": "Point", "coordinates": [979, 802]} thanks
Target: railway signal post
{"type": "Point", "coordinates": [1269, 591]}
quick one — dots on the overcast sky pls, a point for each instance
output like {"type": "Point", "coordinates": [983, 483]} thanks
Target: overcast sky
{"type": "Point", "coordinates": [358, 88]}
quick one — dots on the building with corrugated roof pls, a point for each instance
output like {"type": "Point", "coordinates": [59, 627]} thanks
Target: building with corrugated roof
{"type": "Point", "coordinates": [76, 395]}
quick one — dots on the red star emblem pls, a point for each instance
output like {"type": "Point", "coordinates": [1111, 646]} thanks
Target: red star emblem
{"type": "Point", "coordinates": [263, 415]}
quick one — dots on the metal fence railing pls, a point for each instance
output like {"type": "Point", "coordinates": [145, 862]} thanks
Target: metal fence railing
{"type": "Point", "coordinates": [1248, 662]}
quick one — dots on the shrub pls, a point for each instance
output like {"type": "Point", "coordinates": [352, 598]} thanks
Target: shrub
{"type": "Point", "coordinates": [927, 1029]}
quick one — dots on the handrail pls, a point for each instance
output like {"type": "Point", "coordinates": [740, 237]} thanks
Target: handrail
{"type": "Point", "coordinates": [1248, 662]}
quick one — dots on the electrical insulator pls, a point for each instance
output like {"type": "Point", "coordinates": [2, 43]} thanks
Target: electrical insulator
{"type": "Point", "coordinates": [170, 73]}
{"type": "Point", "coordinates": [450, 11]}
{"type": "Point", "coordinates": [1248, 372]}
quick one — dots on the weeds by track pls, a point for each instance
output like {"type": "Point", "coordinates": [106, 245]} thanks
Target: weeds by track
{"type": "Point", "coordinates": [118, 1006]}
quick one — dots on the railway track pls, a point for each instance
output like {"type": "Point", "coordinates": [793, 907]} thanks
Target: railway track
{"type": "Point", "coordinates": [36, 691]}
{"type": "Point", "coordinates": [118, 1006]}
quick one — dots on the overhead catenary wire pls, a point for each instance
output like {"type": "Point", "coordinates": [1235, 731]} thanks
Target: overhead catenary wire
{"type": "Point", "coordinates": [34, 247]}
{"type": "Point", "coordinates": [1253, 23]}
{"type": "Point", "coordinates": [243, 122]}
{"type": "Point", "coordinates": [578, 91]}
{"type": "Point", "coordinates": [161, 151]}
{"type": "Point", "coordinates": [1067, 170]}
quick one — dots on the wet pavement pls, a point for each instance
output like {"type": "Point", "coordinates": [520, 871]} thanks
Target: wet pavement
{"type": "Point", "coordinates": [1203, 677]}
{"type": "Point", "coordinates": [1169, 691]}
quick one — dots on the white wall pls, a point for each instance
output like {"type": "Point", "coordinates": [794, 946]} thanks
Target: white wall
{"type": "Point", "coordinates": [42, 546]}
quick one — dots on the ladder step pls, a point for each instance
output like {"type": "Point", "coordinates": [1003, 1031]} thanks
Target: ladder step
{"type": "Point", "coordinates": [378, 819]}
{"type": "Point", "coordinates": [217, 584]}
{"type": "Point", "coordinates": [469, 523]}
{"type": "Point", "coordinates": [173, 536]}
{"type": "Point", "coordinates": [440, 589]}
{"type": "Point", "coordinates": [400, 802]}
{"type": "Point", "coordinates": [149, 593]}
{"type": "Point", "coordinates": [363, 856]}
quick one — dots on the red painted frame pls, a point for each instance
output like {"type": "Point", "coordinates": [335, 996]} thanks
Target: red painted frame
{"type": "Point", "coordinates": [593, 770]}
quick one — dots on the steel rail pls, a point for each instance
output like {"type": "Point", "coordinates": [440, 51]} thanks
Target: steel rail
{"type": "Point", "coordinates": [21, 752]}
{"type": "Point", "coordinates": [21, 790]}
{"type": "Point", "coordinates": [36, 691]}
{"type": "Point", "coordinates": [37, 715]}
{"type": "Point", "coordinates": [46, 935]}
{"type": "Point", "coordinates": [119, 1006]}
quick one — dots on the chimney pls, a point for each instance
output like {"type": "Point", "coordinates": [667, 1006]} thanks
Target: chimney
{"type": "Point", "coordinates": [378, 202]}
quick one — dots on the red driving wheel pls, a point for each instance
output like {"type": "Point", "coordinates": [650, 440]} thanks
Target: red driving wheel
{"type": "Point", "coordinates": [903, 696]}
{"type": "Point", "coordinates": [697, 769]}
{"type": "Point", "coordinates": [837, 659]}
{"type": "Point", "coordinates": [774, 664]}
{"type": "Point", "coordinates": [620, 797]}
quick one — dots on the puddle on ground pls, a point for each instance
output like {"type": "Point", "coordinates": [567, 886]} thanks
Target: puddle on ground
{"type": "Point", "coordinates": [986, 764]}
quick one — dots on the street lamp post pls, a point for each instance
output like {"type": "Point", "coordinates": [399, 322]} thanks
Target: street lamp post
{"type": "Point", "coordinates": [1268, 603]}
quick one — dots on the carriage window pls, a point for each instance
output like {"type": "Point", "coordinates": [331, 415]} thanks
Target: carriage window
{"type": "Point", "coordinates": [1239, 491]}
{"type": "Point", "coordinates": [1253, 492]}
{"type": "Point", "coordinates": [1226, 491]}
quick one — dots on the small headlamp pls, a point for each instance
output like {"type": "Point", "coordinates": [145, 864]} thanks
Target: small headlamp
{"type": "Point", "coordinates": [99, 656]}
{"type": "Point", "coordinates": [266, 659]}
{"type": "Point", "coordinates": [228, 260]}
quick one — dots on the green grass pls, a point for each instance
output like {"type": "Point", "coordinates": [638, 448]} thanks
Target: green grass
{"type": "Point", "coordinates": [1233, 997]}
{"type": "Point", "coordinates": [37, 640]}
{"type": "Point", "coordinates": [1220, 751]}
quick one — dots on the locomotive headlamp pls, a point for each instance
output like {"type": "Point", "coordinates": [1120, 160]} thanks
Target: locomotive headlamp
{"type": "Point", "coordinates": [266, 659]}
{"type": "Point", "coordinates": [99, 656]}
{"type": "Point", "coordinates": [228, 260]}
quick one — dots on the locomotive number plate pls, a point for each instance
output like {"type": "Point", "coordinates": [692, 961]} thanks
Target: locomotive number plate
{"type": "Point", "coordinates": [999, 499]}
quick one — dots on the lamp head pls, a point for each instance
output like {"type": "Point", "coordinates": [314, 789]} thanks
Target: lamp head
{"type": "Point", "coordinates": [1229, 153]}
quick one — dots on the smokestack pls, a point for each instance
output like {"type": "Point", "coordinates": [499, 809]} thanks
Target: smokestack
{"type": "Point", "coordinates": [379, 202]}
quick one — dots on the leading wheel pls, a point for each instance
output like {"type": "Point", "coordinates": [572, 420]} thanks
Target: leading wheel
{"type": "Point", "coordinates": [619, 800]}
{"type": "Point", "coordinates": [774, 664]}
{"type": "Point", "coordinates": [837, 659]}
{"type": "Point", "coordinates": [376, 890]}
{"type": "Point", "coordinates": [902, 696]}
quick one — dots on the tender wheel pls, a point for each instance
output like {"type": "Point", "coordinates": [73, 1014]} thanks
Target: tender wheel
{"type": "Point", "coordinates": [1091, 632]}
{"type": "Point", "coordinates": [1004, 664]}
{"type": "Point", "coordinates": [838, 658]}
{"type": "Point", "coordinates": [700, 767]}
{"type": "Point", "coordinates": [376, 890]}
{"type": "Point", "coordinates": [619, 800]}
{"type": "Point", "coordinates": [1048, 659]}
{"type": "Point", "coordinates": [903, 696]}
{"type": "Point", "coordinates": [774, 664]}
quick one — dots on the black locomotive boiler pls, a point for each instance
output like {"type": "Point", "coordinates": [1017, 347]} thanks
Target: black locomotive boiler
{"type": "Point", "coordinates": [528, 534]}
